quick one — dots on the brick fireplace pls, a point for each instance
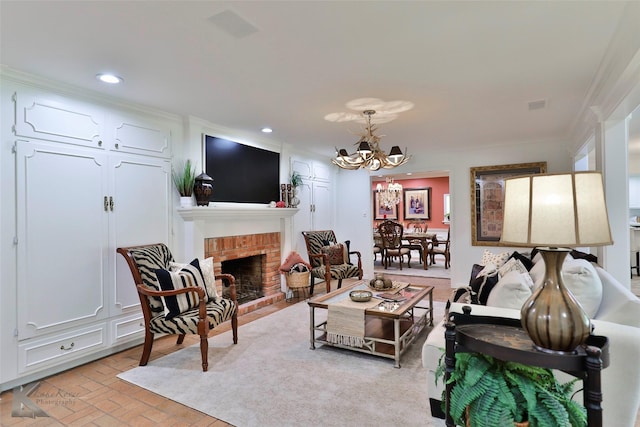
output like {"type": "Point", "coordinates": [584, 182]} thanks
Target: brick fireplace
{"type": "Point", "coordinates": [265, 245]}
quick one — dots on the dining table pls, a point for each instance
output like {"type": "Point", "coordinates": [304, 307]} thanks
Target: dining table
{"type": "Point", "coordinates": [423, 238]}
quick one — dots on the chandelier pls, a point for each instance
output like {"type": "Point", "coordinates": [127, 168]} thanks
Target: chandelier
{"type": "Point", "coordinates": [390, 196]}
{"type": "Point", "coordinates": [369, 155]}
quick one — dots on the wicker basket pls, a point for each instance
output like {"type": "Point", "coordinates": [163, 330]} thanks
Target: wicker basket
{"type": "Point", "coordinates": [297, 280]}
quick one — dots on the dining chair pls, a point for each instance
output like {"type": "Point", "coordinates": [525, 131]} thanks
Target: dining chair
{"type": "Point", "coordinates": [440, 248]}
{"type": "Point", "coordinates": [391, 234]}
{"type": "Point", "coordinates": [377, 247]}
{"type": "Point", "coordinates": [416, 244]}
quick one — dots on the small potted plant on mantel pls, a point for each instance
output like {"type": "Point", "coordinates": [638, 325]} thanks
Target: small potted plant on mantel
{"type": "Point", "coordinates": [184, 179]}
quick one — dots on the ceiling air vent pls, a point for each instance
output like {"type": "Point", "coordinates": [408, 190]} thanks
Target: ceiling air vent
{"type": "Point", "coordinates": [537, 105]}
{"type": "Point", "coordinates": [233, 24]}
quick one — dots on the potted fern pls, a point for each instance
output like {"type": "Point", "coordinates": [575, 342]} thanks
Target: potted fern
{"type": "Point", "coordinates": [184, 179]}
{"type": "Point", "coordinates": [490, 392]}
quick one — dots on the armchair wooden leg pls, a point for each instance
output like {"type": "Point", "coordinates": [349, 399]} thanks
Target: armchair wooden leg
{"type": "Point", "coordinates": [180, 339]}
{"type": "Point", "coordinates": [146, 349]}
{"type": "Point", "coordinates": [327, 280]}
{"type": "Point", "coordinates": [339, 283]}
{"type": "Point", "coordinates": [204, 348]}
{"type": "Point", "coordinates": [313, 282]}
{"type": "Point", "coordinates": [234, 327]}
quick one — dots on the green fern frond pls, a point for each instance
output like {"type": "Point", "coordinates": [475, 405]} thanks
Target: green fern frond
{"type": "Point", "coordinates": [498, 393]}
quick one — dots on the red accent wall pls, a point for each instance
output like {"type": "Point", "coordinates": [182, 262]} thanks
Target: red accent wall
{"type": "Point", "coordinates": [439, 187]}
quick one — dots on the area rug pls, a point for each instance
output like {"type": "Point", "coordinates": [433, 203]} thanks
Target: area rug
{"type": "Point", "coordinates": [272, 378]}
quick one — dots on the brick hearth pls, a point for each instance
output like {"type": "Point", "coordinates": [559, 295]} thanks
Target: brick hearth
{"type": "Point", "coordinates": [233, 247]}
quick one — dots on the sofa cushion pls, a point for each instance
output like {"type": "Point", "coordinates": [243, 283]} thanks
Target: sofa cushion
{"type": "Point", "coordinates": [189, 275]}
{"type": "Point", "coordinates": [512, 264]}
{"type": "Point", "coordinates": [496, 259]}
{"type": "Point", "coordinates": [511, 291]}
{"type": "Point", "coordinates": [482, 286]}
{"type": "Point", "coordinates": [619, 304]}
{"type": "Point", "coordinates": [525, 260]}
{"type": "Point", "coordinates": [581, 278]}
{"type": "Point", "coordinates": [463, 294]}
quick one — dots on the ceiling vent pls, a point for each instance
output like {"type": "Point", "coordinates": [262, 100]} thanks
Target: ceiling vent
{"type": "Point", "coordinates": [233, 24]}
{"type": "Point", "coordinates": [537, 105]}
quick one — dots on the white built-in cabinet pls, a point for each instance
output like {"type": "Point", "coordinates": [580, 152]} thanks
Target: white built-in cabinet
{"type": "Point", "coordinates": [634, 192]}
{"type": "Point", "coordinates": [315, 196]}
{"type": "Point", "coordinates": [89, 178]}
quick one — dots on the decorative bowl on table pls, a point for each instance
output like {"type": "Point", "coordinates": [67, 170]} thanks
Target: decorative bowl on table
{"type": "Point", "coordinates": [360, 295]}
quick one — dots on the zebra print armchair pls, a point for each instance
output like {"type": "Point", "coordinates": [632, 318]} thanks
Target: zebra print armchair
{"type": "Point", "coordinates": [206, 314]}
{"type": "Point", "coordinates": [324, 265]}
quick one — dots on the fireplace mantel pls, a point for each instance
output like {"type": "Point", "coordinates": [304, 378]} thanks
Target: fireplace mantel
{"type": "Point", "coordinates": [233, 212]}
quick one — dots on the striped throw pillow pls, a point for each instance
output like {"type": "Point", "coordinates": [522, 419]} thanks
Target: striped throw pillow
{"type": "Point", "coordinates": [189, 275]}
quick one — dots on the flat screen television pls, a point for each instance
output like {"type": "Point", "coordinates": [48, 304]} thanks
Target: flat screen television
{"type": "Point", "coordinates": [241, 173]}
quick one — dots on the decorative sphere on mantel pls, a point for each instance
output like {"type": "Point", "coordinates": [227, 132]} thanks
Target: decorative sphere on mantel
{"type": "Point", "coordinates": [202, 189]}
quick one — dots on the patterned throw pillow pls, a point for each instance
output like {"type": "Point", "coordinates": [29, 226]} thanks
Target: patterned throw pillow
{"type": "Point", "coordinates": [523, 259]}
{"type": "Point", "coordinates": [189, 275]}
{"type": "Point", "coordinates": [335, 253]}
{"type": "Point", "coordinates": [497, 259]}
{"type": "Point", "coordinates": [482, 286]}
{"type": "Point", "coordinates": [512, 264]}
{"type": "Point", "coordinates": [206, 266]}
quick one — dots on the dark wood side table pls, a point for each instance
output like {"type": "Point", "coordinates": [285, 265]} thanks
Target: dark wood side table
{"type": "Point", "coordinates": [504, 339]}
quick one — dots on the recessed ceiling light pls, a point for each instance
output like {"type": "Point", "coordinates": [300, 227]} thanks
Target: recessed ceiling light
{"type": "Point", "coordinates": [109, 78]}
{"type": "Point", "coordinates": [267, 130]}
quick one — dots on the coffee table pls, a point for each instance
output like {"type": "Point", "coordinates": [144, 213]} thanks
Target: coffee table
{"type": "Point", "coordinates": [389, 328]}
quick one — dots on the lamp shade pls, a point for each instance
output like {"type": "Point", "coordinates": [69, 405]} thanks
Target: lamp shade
{"type": "Point", "coordinates": [557, 210]}
{"type": "Point", "coordinates": [364, 147]}
{"type": "Point", "coordinates": [395, 152]}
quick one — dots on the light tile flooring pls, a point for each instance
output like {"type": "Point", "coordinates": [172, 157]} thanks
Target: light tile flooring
{"type": "Point", "coordinates": [92, 395]}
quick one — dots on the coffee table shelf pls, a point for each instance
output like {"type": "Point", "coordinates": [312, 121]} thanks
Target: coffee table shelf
{"type": "Point", "coordinates": [386, 333]}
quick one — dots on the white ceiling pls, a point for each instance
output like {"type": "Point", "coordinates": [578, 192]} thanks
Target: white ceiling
{"type": "Point", "coordinates": [470, 68]}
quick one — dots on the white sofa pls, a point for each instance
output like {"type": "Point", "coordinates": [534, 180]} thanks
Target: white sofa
{"type": "Point", "coordinates": [617, 318]}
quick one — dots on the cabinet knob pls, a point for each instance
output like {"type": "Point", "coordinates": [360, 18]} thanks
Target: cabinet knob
{"type": "Point", "coordinates": [99, 143]}
{"type": "Point", "coordinates": [106, 204]}
{"type": "Point", "coordinates": [117, 146]}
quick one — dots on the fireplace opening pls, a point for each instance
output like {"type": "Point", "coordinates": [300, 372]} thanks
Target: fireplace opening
{"type": "Point", "coordinates": [248, 274]}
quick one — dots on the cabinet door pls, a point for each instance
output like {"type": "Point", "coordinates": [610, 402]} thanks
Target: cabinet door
{"type": "Point", "coordinates": [52, 117]}
{"type": "Point", "coordinates": [140, 135]}
{"type": "Point", "coordinates": [62, 237]}
{"type": "Point", "coordinates": [322, 206]}
{"type": "Point", "coordinates": [140, 214]}
{"type": "Point", "coordinates": [634, 192]}
{"type": "Point", "coordinates": [302, 221]}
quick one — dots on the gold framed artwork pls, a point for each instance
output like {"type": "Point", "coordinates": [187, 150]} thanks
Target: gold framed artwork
{"type": "Point", "coordinates": [417, 203]}
{"type": "Point", "coordinates": [380, 211]}
{"type": "Point", "coordinates": [487, 197]}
